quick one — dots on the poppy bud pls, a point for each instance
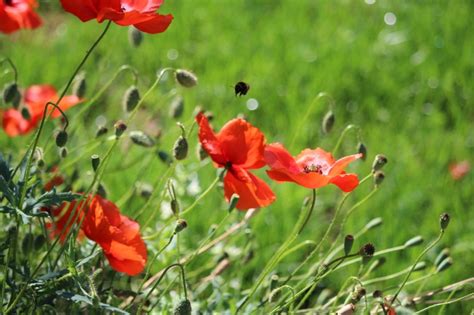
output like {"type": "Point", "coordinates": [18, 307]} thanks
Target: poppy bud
{"type": "Point", "coordinates": [27, 243]}
{"type": "Point", "coordinates": [101, 191]}
{"type": "Point", "coordinates": [102, 130]}
{"type": "Point", "coordinates": [174, 205]}
{"type": "Point", "coordinates": [379, 176]}
{"type": "Point", "coordinates": [145, 190]}
{"type": "Point", "coordinates": [95, 159]}
{"type": "Point", "coordinates": [120, 128]}
{"type": "Point", "coordinates": [79, 87]}
{"type": "Point", "coordinates": [414, 241]}
{"type": "Point", "coordinates": [328, 121]}
{"type": "Point", "coordinates": [10, 92]}
{"type": "Point", "coordinates": [142, 139]}
{"type": "Point", "coordinates": [201, 153]}
{"type": "Point", "coordinates": [135, 36]}
{"type": "Point", "coordinates": [180, 225]}
{"type": "Point", "coordinates": [379, 161]}
{"type": "Point", "coordinates": [130, 99]}
{"type": "Point", "coordinates": [377, 294]}
{"type": "Point", "coordinates": [25, 113]}
{"type": "Point", "coordinates": [362, 149]}
{"type": "Point", "coordinates": [445, 264]}
{"type": "Point", "coordinates": [348, 242]}
{"type": "Point", "coordinates": [177, 107]}
{"type": "Point", "coordinates": [186, 78]}
{"type": "Point", "coordinates": [164, 157]}
{"type": "Point", "coordinates": [444, 253]}
{"type": "Point", "coordinates": [63, 152]}
{"type": "Point", "coordinates": [359, 293]}
{"type": "Point", "coordinates": [367, 251]}
{"type": "Point", "coordinates": [420, 266]}
{"type": "Point", "coordinates": [180, 148]}
{"type": "Point", "coordinates": [61, 138]}
{"type": "Point", "coordinates": [39, 242]}
{"type": "Point", "coordinates": [444, 221]}
{"type": "Point", "coordinates": [234, 199]}
{"type": "Point", "coordinates": [183, 308]}
{"type": "Point", "coordinates": [373, 223]}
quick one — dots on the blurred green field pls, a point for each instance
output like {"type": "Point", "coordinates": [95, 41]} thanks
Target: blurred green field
{"type": "Point", "coordinates": [407, 85]}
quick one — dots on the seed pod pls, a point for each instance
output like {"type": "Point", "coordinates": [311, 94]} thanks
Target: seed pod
{"type": "Point", "coordinates": [201, 153]}
{"type": "Point", "coordinates": [63, 152]}
{"type": "Point", "coordinates": [61, 138]}
{"type": "Point", "coordinates": [379, 161]}
{"type": "Point", "coordinates": [348, 242]}
{"type": "Point", "coordinates": [183, 308]}
{"type": "Point", "coordinates": [79, 87]}
{"type": "Point", "coordinates": [367, 250]}
{"type": "Point", "coordinates": [95, 160]}
{"type": "Point", "coordinates": [164, 157]}
{"type": "Point", "coordinates": [379, 176]}
{"type": "Point", "coordinates": [180, 148]}
{"type": "Point", "coordinates": [25, 113]}
{"type": "Point", "coordinates": [444, 221]}
{"type": "Point", "coordinates": [142, 139]}
{"type": "Point", "coordinates": [39, 242]}
{"type": "Point", "coordinates": [130, 99]}
{"type": "Point", "coordinates": [10, 92]}
{"type": "Point", "coordinates": [27, 243]}
{"type": "Point", "coordinates": [442, 255]}
{"type": "Point", "coordinates": [328, 121]}
{"type": "Point", "coordinates": [177, 107]}
{"type": "Point", "coordinates": [374, 223]}
{"type": "Point", "coordinates": [362, 149]}
{"type": "Point", "coordinates": [234, 199]}
{"type": "Point", "coordinates": [120, 128]}
{"type": "Point", "coordinates": [414, 241]}
{"type": "Point", "coordinates": [186, 78]}
{"type": "Point", "coordinates": [135, 36]}
{"type": "Point", "coordinates": [181, 224]}
{"type": "Point", "coordinates": [102, 130]}
{"type": "Point", "coordinates": [445, 264]}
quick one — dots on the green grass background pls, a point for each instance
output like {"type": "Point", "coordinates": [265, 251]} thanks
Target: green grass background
{"type": "Point", "coordinates": [408, 86]}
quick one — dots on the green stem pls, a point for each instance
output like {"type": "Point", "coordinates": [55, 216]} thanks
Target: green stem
{"type": "Point", "coordinates": [201, 196]}
{"type": "Point", "coordinates": [343, 135]}
{"type": "Point", "coordinates": [12, 65]}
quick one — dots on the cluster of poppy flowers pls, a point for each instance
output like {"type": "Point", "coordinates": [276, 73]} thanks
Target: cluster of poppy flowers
{"type": "Point", "coordinates": [20, 14]}
{"type": "Point", "coordinates": [240, 147]}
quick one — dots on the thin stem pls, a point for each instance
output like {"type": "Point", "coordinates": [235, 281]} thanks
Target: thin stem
{"type": "Point", "coordinates": [462, 298]}
{"type": "Point", "coordinates": [201, 196]}
{"type": "Point", "coordinates": [343, 135]}
{"type": "Point", "coordinates": [12, 65]}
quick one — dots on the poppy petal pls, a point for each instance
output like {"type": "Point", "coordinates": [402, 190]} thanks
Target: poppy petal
{"type": "Point", "coordinates": [209, 141]}
{"type": "Point", "coordinates": [85, 10]}
{"type": "Point", "coordinates": [278, 158]}
{"type": "Point", "coordinates": [243, 144]}
{"type": "Point", "coordinates": [157, 24]}
{"type": "Point", "coordinates": [254, 193]}
{"type": "Point", "coordinates": [339, 166]}
{"type": "Point", "coordinates": [346, 182]}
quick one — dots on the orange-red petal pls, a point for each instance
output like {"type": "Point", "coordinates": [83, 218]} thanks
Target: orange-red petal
{"type": "Point", "coordinates": [346, 182]}
{"type": "Point", "coordinates": [209, 141]}
{"type": "Point", "coordinates": [339, 166]}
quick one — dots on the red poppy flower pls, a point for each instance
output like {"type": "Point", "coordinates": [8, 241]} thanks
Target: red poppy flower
{"type": "Point", "coordinates": [65, 216]}
{"type": "Point", "coordinates": [18, 14]}
{"type": "Point", "coordinates": [118, 236]}
{"type": "Point", "coordinates": [311, 168]}
{"type": "Point", "coordinates": [459, 170]}
{"type": "Point", "coordinates": [139, 13]}
{"type": "Point", "coordinates": [35, 98]}
{"type": "Point", "coordinates": [239, 147]}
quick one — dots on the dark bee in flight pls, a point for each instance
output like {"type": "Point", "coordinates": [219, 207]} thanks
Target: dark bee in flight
{"type": "Point", "coordinates": [241, 88]}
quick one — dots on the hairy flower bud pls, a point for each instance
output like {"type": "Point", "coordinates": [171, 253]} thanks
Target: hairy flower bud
{"type": "Point", "coordinates": [164, 157]}
{"type": "Point", "coordinates": [183, 308]}
{"type": "Point", "coordinates": [135, 36]}
{"type": "Point", "coordinates": [379, 161]}
{"type": "Point", "coordinates": [61, 138]}
{"type": "Point", "coordinates": [95, 160]}
{"type": "Point", "coordinates": [414, 241]}
{"type": "Point", "coordinates": [142, 139]}
{"type": "Point", "coordinates": [377, 294]}
{"type": "Point", "coordinates": [444, 221]}
{"type": "Point", "coordinates": [348, 242]}
{"type": "Point", "coordinates": [445, 264]}
{"type": "Point", "coordinates": [181, 224]}
{"type": "Point", "coordinates": [102, 130]}
{"type": "Point", "coordinates": [379, 176]}
{"type": "Point", "coordinates": [362, 149]}
{"type": "Point", "coordinates": [145, 190]}
{"type": "Point", "coordinates": [130, 99]}
{"type": "Point", "coordinates": [79, 86]}
{"type": "Point", "coordinates": [10, 92]}
{"type": "Point", "coordinates": [120, 128]}
{"type": "Point", "coordinates": [367, 250]}
{"type": "Point", "coordinates": [328, 121]}
{"type": "Point", "coordinates": [180, 148]}
{"type": "Point", "coordinates": [63, 152]}
{"type": "Point", "coordinates": [441, 256]}
{"type": "Point", "coordinates": [176, 107]}
{"type": "Point", "coordinates": [186, 78]}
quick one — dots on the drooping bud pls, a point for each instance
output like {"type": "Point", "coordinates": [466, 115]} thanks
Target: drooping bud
{"type": "Point", "coordinates": [79, 86]}
{"type": "Point", "coordinates": [445, 264]}
{"type": "Point", "coordinates": [442, 256]}
{"type": "Point", "coordinates": [183, 308]}
{"type": "Point", "coordinates": [142, 139]}
{"type": "Point", "coordinates": [177, 107]}
{"type": "Point", "coordinates": [362, 149]}
{"type": "Point", "coordinates": [102, 130]}
{"type": "Point", "coordinates": [328, 121]}
{"type": "Point", "coordinates": [130, 99]}
{"type": "Point", "coordinates": [135, 36]}
{"type": "Point", "coordinates": [201, 153]}
{"type": "Point", "coordinates": [164, 157]}
{"type": "Point", "coordinates": [414, 241]}
{"type": "Point", "coordinates": [120, 128]}
{"type": "Point", "coordinates": [379, 176]}
{"type": "Point", "coordinates": [373, 223]}
{"type": "Point", "coordinates": [95, 160]}
{"type": "Point", "coordinates": [234, 199]}
{"type": "Point", "coordinates": [348, 242]}
{"type": "Point", "coordinates": [63, 152]}
{"type": "Point", "coordinates": [61, 138]}
{"type": "Point", "coordinates": [186, 78]}
{"type": "Point", "coordinates": [181, 224]}
{"type": "Point", "coordinates": [25, 113]}
{"type": "Point", "coordinates": [444, 221]}
{"type": "Point", "coordinates": [379, 161]}
{"type": "Point", "coordinates": [180, 148]}
{"type": "Point", "coordinates": [10, 92]}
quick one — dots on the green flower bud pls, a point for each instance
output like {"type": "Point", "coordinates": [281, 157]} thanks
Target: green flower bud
{"type": "Point", "coordinates": [328, 121]}
{"type": "Point", "coordinates": [180, 148]}
{"type": "Point", "coordinates": [445, 264]}
{"type": "Point", "coordinates": [362, 149]}
{"type": "Point", "coordinates": [186, 78]}
{"type": "Point", "coordinates": [164, 157]}
{"type": "Point", "coordinates": [177, 107]}
{"type": "Point", "coordinates": [25, 113]}
{"type": "Point", "coordinates": [10, 92]}
{"type": "Point", "coordinates": [181, 224]}
{"type": "Point", "coordinates": [95, 160]}
{"type": "Point", "coordinates": [130, 99]}
{"type": "Point", "coordinates": [120, 128]}
{"type": "Point", "coordinates": [142, 139]}
{"type": "Point", "coordinates": [201, 153]}
{"type": "Point", "coordinates": [379, 176]}
{"type": "Point", "coordinates": [63, 152]}
{"type": "Point", "coordinates": [379, 162]}
{"type": "Point", "coordinates": [61, 138]}
{"type": "Point", "coordinates": [135, 36]}
{"type": "Point", "coordinates": [444, 221]}
{"type": "Point", "coordinates": [79, 86]}
{"type": "Point", "coordinates": [234, 199]}
{"type": "Point", "coordinates": [442, 255]}
{"type": "Point", "coordinates": [183, 308]}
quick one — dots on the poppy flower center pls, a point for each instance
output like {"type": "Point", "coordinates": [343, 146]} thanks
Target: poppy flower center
{"type": "Point", "coordinates": [8, 2]}
{"type": "Point", "coordinates": [312, 168]}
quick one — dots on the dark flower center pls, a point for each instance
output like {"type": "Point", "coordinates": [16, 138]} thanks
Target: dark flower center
{"type": "Point", "coordinates": [313, 169]}
{"type": "Point", "coordinates": [8, 2]}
